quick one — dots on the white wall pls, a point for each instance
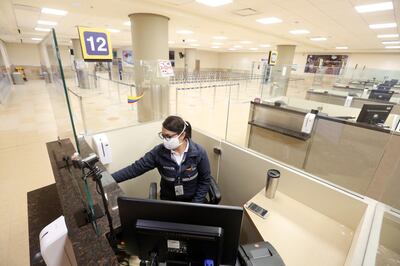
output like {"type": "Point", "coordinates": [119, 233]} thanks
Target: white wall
{"type": "Point", "coordinates": [21, 54]}
{"type": "Point", "coordinates": [65, 56]}
{"type": "Point", "coordinates": [242, 61]}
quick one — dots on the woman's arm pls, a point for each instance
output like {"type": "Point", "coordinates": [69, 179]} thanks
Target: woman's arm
{"type": "Point", "coordinates": [141, 166]}
{"type": "Point", "coordinates": [204, 179]}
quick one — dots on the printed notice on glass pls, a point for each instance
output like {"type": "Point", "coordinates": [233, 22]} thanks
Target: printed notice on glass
{"type": "Point", "coordinates": [166, 69]}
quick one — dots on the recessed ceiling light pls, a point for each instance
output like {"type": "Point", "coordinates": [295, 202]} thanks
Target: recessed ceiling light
{"type": "Point", "coordinates": [382, 36]}
{"type": "Point", "coordinates": [318, 39]}
{"type": "Point", "coordinates": [190, 40]}
{"type": "Point", "coordinates": [214, 3]}
{"type": "Point", "coordinates": [298, 32]}
{"type": "Point", "coordinates": [36, 39]}
{"type": "Point", "coordinates": [220, 38]}
{"type": "Point", "coordinates": [171, 42]}
{"type": "Point", "coordinates": [383, 25]}
{"type": "Point", "coordinates": [393, 47]}
{"type": "Point", "coordinates": [245, 42]}
{"type": "Point", "coordinates": [217, 43]}
{"type": "Point", "coordinates": [215, 47]}
{"type": "Point", "coordinates": [232, 49]}
{"type": "Point", "coordinates": [42, 29]}
{"type": "Point", "coordinates": [127, 23]}
{"type": "Point", "coordinates": [253, 49]}
{"type": "Point", "coordinates": [45, 22]}
{"type": "Point", "coordinates": [52, 11]}
{"type": "Point", "coordinates": [265, 45]}
{"type": "Point", "coordinates": [113, 30]}
{"type": "Point", "coordinates": [391, 42]}
{"type": "Point", "coordinates": [237, 46]}
{"type": "Point", "coordinates": [342, 48]}
{"type": "Point", "coordinates": [184, 32]}
{"type": "Point", "coordinates": [194, 44]}
{"type": "Point", "coordinates": [374, 7]}
{"type": "Point", "coordinates": [270, 20]}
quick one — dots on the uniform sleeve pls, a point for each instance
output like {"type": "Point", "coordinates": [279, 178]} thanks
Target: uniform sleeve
{"type": "Point", "coordinates": [141, 166]}
{"type": "Point", "coordinates": [204, 179]}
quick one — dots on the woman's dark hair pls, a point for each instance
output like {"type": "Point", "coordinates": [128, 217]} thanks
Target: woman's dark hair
{"type": "Point", "coordinates": [177, 124]}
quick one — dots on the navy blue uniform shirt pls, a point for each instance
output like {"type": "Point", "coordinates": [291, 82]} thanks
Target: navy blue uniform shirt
{"type": "Point", "coordinates": [193, 173]}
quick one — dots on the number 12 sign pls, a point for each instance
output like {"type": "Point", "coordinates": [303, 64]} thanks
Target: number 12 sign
{"type": "Point", "coordinates": [96, 44]}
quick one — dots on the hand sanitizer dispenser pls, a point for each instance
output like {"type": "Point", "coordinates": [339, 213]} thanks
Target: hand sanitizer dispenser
{"type": "Point", "coordinates": [102, 148]}
{"type": "Point", "coordinates": [308, 122]}
{"type": "Point", "coordinates": [55, 246]}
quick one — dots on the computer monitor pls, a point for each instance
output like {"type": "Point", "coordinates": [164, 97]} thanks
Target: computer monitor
{"type": "Point", "coordinates": [374, 113]}
{"type": "Point", "coordinates": [179, 230]}
{"type": "Point", "coordinates": [380, 95]}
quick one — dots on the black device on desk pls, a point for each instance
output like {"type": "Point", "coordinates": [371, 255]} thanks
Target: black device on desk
{"type": "Point", "coordinates": [381, 95]}
{"type": "Point", "coordinates": [374, 113]}
{"type": "Point", "coordinates": [180, 232]}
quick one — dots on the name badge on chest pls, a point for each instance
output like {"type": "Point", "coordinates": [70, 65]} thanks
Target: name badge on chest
{"type": "Point", "coordinates": [179, 190]}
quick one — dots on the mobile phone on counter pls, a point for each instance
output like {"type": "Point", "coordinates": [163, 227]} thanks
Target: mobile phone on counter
{"type": "Point", "coordinates": [260, 211]}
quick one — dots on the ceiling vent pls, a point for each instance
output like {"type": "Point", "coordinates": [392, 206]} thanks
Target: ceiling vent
{"type": "Point", "coordinates": [245, 12]}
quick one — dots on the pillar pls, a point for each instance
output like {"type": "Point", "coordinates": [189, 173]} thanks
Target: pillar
{"type": "Point", "coordinates": [190, 59]}
{"type": "Point", "coordinates": [79, 64]}
{"type": "Point", "coordinates": [149, 44]}
{"type": "Point", "coordinates": [281, 71]}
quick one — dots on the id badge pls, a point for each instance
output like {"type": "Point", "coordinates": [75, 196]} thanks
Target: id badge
{"type": "Point", "coordinates": [179, 190]}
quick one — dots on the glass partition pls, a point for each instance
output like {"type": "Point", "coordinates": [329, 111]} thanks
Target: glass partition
{"type": "Point", "coordinates": [5, 82]}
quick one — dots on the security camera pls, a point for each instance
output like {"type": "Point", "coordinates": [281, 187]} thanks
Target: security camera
{"type": "Point", "coordinates": [183, 40]}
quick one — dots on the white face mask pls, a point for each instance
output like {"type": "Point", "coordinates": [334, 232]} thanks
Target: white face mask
{"type": "Point", "coordinates": [173, 143]}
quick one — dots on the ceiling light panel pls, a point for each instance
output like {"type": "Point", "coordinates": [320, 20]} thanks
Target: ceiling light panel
{"type": "Point", "coordinates": [36, 39]}
{"type": "Point", "coordinates": [42, 29]}
{"type": "Point", "coordinates": [383, 36]}
{"type": "Point", "coordinates": [215, 47]}
{"type": "Point", "coordinates": [299, 32]}
{"type": "Point", "coordinates": [52, 11]}
{"type": "Point", "coordinates": [245, 42]}
{"type": "Point", "coordinates": [393, 47]}
{"type": "Point", "coordinates": [217, 43]}
{"type": "Point", "coordinates": [190, 40]}
{"type": "Point", "coordinates": [127, 23]}
{"type": "Point", "coordinates": [318, 39]}
{"type": "Point", "coordinates": [269, 20]}
{"type": "Point", "coordinates": [391, 42]}
{"type": "Point", "coordinates": [383, 25]}
{"type": "Point", "coordinates": [265, 45]}
{"type": "Point", "coordinates": [237, 46]}
{"type": "Point", "coordinates": [214, 3]}
{"type": "Point", "coordinates": [194, 44]}
{"type": "Point", "coordinates": [253, 49]}
{"type": "Point", "coordinates": [374, 7]}
{"type": "Point", "coordinates": [342, 48]}
{"type": "Point", "coordinates": [46, 22]}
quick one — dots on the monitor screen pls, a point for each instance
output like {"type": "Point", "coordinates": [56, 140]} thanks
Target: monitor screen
{"type": "Point", "coordinates": [374, 114]}
{"type": "Point", "coordinates": [227, 219]}
{"type": "Point", "coordinates": [381, 95]}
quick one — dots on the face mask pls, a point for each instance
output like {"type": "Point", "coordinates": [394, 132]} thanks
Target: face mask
{"type": "Point", "coordinates": [173, 143]}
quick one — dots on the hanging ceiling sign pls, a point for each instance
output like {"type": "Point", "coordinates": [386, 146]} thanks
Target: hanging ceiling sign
{"type": "Point", "coordinates": [272, 58]}
{"type": "Point", "coordinates": [96, 44]}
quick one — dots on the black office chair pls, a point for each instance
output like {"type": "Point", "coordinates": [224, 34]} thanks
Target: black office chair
{"type": "Point", "coordinates": [214, 194]}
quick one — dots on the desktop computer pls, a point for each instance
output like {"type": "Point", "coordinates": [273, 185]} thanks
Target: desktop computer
{"type": "Point", "coordinates": [383, 95]}
{"type": "Point", "coordinates": [179, 232]}
{"type": "Point", "coordinates": [374, 114]}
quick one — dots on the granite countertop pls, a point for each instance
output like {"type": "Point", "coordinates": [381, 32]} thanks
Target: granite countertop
{"type": "Point", "coordinates": [89, 248]}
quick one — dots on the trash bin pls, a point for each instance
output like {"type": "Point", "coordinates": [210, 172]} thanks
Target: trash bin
{"type": "Point", "coordinates": [17, 78]}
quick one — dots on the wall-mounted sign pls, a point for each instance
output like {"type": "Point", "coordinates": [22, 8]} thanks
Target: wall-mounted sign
{"type": "Point", "coordinates": [272, 58]}
{"type": "Point", "coordinates": [96, 44]}
{"type": "Point", "coordinates": [166, 69]}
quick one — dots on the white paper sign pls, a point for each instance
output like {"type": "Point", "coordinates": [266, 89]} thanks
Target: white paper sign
{"type": "Point", "coordinates": [166, 69]}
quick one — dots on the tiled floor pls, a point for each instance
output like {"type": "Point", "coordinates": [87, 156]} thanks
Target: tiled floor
{"type": "Point", "coordinates": [27, 123]}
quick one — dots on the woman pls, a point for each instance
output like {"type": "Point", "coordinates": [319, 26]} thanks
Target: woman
{"type": "Point", "coordinates": [183, 164]}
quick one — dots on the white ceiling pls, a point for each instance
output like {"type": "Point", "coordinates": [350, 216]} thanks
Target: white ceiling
{"type": "Point", "coordinates": [335, 19]}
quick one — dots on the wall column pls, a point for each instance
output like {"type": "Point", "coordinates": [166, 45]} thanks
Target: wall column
{"type": "Point", "coordinates": [82, 73]}
{"type": "Point", "coordinates": [190, 59]}
{"type": "Point", "coordinates": [149, 44]}
{"type": "Point", "coordinates": [281, 71]}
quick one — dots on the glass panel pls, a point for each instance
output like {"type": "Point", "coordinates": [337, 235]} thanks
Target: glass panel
{"type": "Point", "coordinates": [57, 89]}
{"type": "Point", "coordinates": [5, 81]}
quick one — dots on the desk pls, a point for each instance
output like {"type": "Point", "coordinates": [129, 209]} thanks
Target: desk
{"type": "Point", "coordinates": [300, 234]}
